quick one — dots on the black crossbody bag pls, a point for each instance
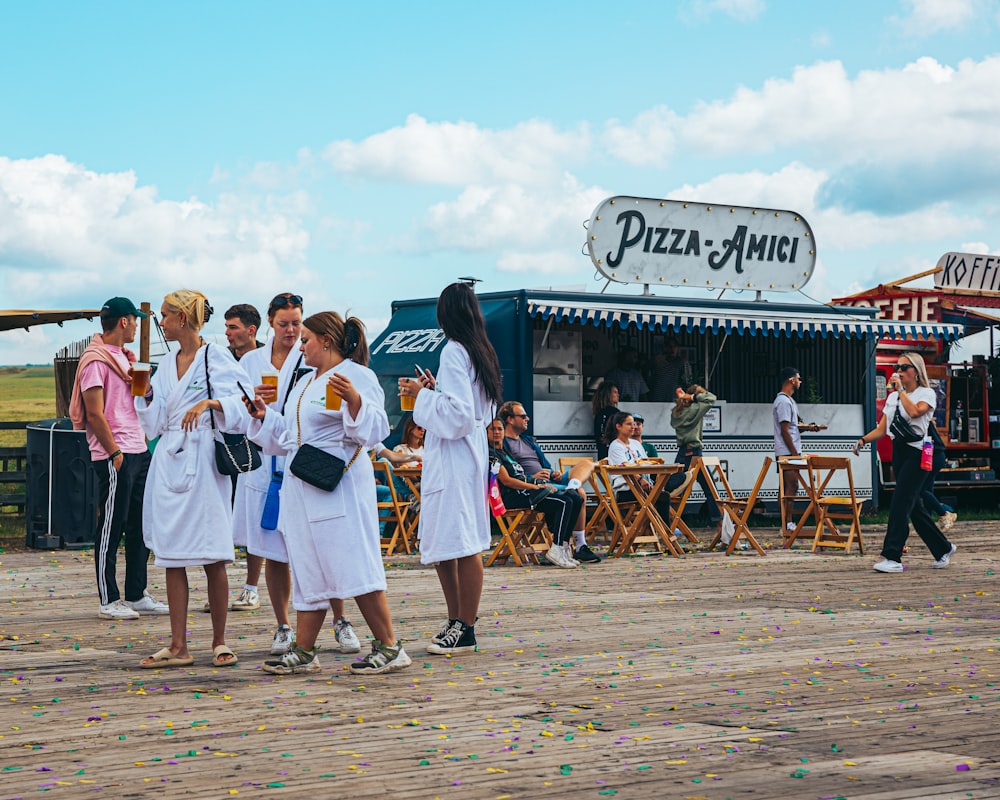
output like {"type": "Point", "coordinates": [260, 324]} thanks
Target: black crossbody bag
{"type": "Point", "coordinates": [235, 454]}
{"type": "Point", "coordinates": [314, 466]}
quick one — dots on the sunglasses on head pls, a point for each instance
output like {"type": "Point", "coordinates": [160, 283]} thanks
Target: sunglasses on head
{"type": "Point", "coordinates": [286, 300]}
{"type": "Point", "coordinates": [638, 420]}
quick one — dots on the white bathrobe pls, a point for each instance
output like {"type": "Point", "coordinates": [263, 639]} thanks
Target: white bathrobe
{"type": "Point", "coordinates": [332, 537]}
{"type": "Point", "coordinates": [251, 487]}
{"type": "Point", "coordinates": [454, 520]}
{"type": "Point", "coordinates": [186, 514]}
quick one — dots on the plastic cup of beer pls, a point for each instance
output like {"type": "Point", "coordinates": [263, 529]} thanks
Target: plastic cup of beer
{"type": "Point", "coordinates": [333, 399]}
{"type": "Point", "coordinates": [406, 402]}
{"type": "Point", "coordinates": [269, 377]}
{"type": "Point", "coordinates": [140, 379]}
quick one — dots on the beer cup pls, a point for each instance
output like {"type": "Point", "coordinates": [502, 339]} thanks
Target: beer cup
{"type": "Point", "coordinates": [269, 377]}
{"type": "Point", "coordinates": [333, 399]}
{"type": "Point", "coordinates": [140, 378]}
{"type": "Point", "coordinates": [406, 402]}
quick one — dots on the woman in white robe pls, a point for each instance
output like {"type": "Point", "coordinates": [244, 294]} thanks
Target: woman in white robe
{"type": "Point", "coordinates": [455, 409]}
{"type": "Point", "coordinates": [332, 537]}
{"type": "Point", "coordinates": [266, 548]}
{"type": "Point", "coordinates": [187, 515]}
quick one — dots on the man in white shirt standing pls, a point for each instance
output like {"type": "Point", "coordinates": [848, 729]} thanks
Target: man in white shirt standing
{"type": "Point", "coordinates": [787, 441]}
{"type": "Point", "coordinates": [102, 405]}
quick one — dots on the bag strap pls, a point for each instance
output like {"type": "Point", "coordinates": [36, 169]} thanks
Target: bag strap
{"type": "Point", "coordinates": [208, 385]}
{"type": "Point", "coordinates": [291, 384]}
{"type": "Point", "coordinates": [298, 424]}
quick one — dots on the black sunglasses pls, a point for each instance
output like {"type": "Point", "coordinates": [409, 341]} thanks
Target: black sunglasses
{"type": "Point", "coordinates": [904, 367]}
{"type": "Point", "coordinates": [638, 420]}
{"type": "Point", "coordinates": [286, 300]}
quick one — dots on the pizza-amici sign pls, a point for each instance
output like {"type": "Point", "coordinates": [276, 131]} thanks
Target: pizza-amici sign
{"type": "Point", "coordinates": [677, 243]}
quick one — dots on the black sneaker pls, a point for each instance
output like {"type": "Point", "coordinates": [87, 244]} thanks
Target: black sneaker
{"type": "Point", "coordinates": [459, 638]}
{"type": "Point", "coordinates": [439, 636]}
{"type": "Point", "coordinates": [585, 555]}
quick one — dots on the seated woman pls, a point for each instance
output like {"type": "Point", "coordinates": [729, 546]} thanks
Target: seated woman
{"type": "Point", "coordinates": [410, 451]}
{"type": "Point", "coordinates": [563, 508]}
{"type": "Point", "coordinates": [623, 449]}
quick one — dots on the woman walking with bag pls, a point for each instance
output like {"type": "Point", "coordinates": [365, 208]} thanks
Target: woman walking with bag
{"type": "Point", "coordinates": [331, 528]}
{"type": "Point", "coordinates": [908, 412]}
{"type": "Point", "coordinates": [455, 409]}
{"type": "Point", "coordinates": [187, 512]}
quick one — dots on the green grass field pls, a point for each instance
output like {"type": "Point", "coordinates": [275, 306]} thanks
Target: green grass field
{"type": "Point", "coordinates": [26, 394]}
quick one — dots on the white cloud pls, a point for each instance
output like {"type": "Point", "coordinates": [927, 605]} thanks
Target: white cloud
{"type": "Point", "coordinates": [459, 153]}
{"type": "Point", "coordinates": [648, 139]}
{"type": "Point", "coordinates": [797, 188]}
{"type": "Point", "coordinates": [927, 17]}
{"type": "Point", "coordinates": [68, 232]}
{"type": "Point", "coordinates": [513, 218]}
{"type": "Point", "coordinates": [740, 10]}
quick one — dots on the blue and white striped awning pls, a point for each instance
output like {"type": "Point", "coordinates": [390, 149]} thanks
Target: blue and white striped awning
{"type": "Point", "coordinates": [765, 319]}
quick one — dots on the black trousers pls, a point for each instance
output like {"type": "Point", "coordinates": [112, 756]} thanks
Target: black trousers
{"type": "Point", "coordinates": [119, 512]}
{"type": "Point", "coordinates": [561, 510]}
{"type": "Point", "coordinates": [906, 507]}
{"type": "Point", "coordinates": [662, 502]}
{"type": "Point", "coordinates": [684, 455]}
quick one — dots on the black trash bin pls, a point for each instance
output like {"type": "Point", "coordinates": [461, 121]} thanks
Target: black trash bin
{"type": "Point", "coordinates": [61, 502]}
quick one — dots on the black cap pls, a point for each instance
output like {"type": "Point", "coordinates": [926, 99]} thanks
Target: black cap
{"type": "Point", "coordinates": [118, 307]}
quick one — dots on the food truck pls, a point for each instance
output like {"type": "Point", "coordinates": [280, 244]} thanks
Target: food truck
{"type": "Point", "coordinates": [967, 293]}
{"type": "Point", "coordinates": [555, 347]}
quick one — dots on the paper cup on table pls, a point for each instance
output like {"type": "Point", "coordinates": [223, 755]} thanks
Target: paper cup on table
{"type": "Point", "coordinates": [140, 378]}
{"type": "Point", "coordinates": [333, 399]}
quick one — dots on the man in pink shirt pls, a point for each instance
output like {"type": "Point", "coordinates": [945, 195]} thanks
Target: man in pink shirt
{"type": "Point", "coordinates": [102, 405]}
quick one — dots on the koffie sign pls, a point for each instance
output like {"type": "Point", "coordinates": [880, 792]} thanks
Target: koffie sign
{"type": "Point", "coordinates": [670, 242]}
{"type": "Point", "coordinates": [974, 271]}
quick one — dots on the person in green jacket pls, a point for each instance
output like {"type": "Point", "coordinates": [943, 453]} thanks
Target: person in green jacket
{"type": "Point", "coordinates": [686, 419]}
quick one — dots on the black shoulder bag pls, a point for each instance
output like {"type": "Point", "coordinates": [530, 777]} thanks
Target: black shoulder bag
{"type": "Point", "coordinates": [235, 454]}
{"type": "Point", "coordinates": [902, 430]}
{"type": "Point", "coordinates": [314, 466]}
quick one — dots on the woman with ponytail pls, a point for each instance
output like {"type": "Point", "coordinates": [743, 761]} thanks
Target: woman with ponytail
{"type": "Point", "coordinates": [455, 410]}
{"type": "Point", "coordinates": [332, 537]}
{"type": "Point", "coordinates": [187, 511]}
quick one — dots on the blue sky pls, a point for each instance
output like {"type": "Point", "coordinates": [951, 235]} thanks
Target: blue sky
{"type": "Point", "coordinates": [360, 153]}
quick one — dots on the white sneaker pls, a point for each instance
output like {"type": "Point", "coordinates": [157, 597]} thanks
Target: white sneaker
{"type": "Point", "coordinates": [947, 521]}
{"type": "Point", "coordinates": [283, 639]}
{"type": "Point", "coordinates": [118, 610]}
{"type": "Point", "coordinates": [885, 565]}
{"type": "Point", "coordinates": [248, 600]}
{"type": "Point", "coordinates": [558, 556]}
{"type": "Point", "coordinates": [942, 562]}
{"type": "Point", "coordinates": [344, 633]}
{"type": "Point", "coordinates": [148, 604]}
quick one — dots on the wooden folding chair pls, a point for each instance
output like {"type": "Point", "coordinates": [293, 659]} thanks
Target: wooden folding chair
{"type": "Point", "coordinates": [833, 511]}
{"type": "Point", "coordinates": [800, 464]}
{"type": "Point", "coordinates": [598, 518]}
{"type": "Point", "coordinates": [523, 537]}
{"type": "Point", "coordinates": [393, 512]}
{"type": "Point", "coordinates": [736, 509]}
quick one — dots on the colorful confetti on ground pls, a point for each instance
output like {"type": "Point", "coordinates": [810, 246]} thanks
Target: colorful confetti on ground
{"type": "Point", "coordinates": [787, 676]}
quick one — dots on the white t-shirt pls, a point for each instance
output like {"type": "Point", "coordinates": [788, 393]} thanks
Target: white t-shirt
{"type": "Point", "coordinates": [619, 453]}
{"type": "Point", "coordinates": [919, 395]}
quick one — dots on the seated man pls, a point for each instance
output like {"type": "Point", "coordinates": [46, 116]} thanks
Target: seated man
{"type": "Point", "coordinates": [523, 448]}
{"type": "Point", "coordinates": [526, 452]}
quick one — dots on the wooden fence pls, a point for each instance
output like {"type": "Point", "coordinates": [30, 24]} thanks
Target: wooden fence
{"type": "Point", "coordinates": [13, 473]}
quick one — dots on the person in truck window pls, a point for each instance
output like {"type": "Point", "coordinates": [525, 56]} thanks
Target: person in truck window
{"type": "Point", "coordinates": [604, 405]}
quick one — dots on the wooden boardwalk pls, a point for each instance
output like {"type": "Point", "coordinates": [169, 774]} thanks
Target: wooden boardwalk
{"type": "Point", "coordinates": [788, 676]}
